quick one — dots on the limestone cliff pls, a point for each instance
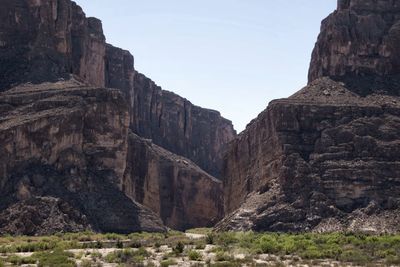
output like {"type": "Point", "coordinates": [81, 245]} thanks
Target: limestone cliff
{"type": "Point", "coordinates": [69, 141]}
{"type": "Point", "coordinates": [65, 134]}
{"type": "Point", "coordinates": [359, 45]}
{"type": "Point", "coordinates": [327, 158]}
{"type": "Point", "coordinates": [174, 123]}
{"type": "Point", "coordinates": [43, 40]}
{"type": "Point", "coordinates": [175, 188]}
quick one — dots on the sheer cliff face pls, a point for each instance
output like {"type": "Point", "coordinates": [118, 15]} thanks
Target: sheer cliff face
{"type": "Point", "coordinates": [326, 158]}
{"type": "Point", "coordinates": [169, 120]}
{"type": "Point", "coordinates": [75, 131]}
{"type": "Point", "coordinates": [359, 44]}
{"type": "Point", "coordinates": [46, 40]}
{"type": "Point", "coordinates": [179, 126]}
{"type": "Point", "coordinates": [180, 192]}
{"type": "Point", "coordinates": [69, 142]}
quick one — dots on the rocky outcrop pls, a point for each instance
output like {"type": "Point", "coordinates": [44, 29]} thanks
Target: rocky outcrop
{"type": "Point", "coordinates": [177, 125]}
{"type": "Point", "coordinates": [42, 216]}
{"type": "Point", "coordinates": [327, 158]}
{"type": "Point", "coordinates": [69, 141]}
{"type": "Point", "coordinates": [323, 153]}
{"type": "Point", "coordinates": [58, 122]}
{"type": "Point", "coordinates": [45, 40]}
{"type": "Point", "coordinates": [359, 45]}
{"type": "Point", "coordinates": [169, 120]}
{"type": "Point", "coordinates": [181, 193]}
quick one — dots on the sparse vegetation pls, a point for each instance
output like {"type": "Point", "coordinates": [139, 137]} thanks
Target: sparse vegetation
{"type": "Point", "coordinates": [145, 248]}
{"type": "Point", "coordinates": [194, 255]}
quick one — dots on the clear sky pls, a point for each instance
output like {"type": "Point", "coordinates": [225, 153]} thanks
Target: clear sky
{"type": "Point", "coordinates": [230, 55]}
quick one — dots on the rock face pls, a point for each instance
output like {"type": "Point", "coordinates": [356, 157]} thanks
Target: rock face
{"type": "Point", "coordinates": [327, 158]}
{"type": "Point", "coordinates": [42, 40]}
{"type": "Point", "coordinates": [65, 135]}
{"type": "Point", "coordinates": [179, 126]}
{"type": "Point", "coordinates": [323, 153]}
{"type": "Point", "coordinates": [359, 45]}
{"type": "Point", "coordinates": [69, 141]}
{"type": "Point", "coordinates": [42, 216]}
{"type": "Point", "coordinates": [182, 194]}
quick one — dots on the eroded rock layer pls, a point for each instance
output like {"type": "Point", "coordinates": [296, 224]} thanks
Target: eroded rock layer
{"type": "Point", "coordinates": [69, 141]}
{"type": "Point", "coordinates": [43, 40]}
{"type": "Point", "coordinates": [321, 159]}
{"type": "Point", "coordinates": [42, 216]}
{"type": "Point", "coordinates": [180, 192]}
{"type": "Point", "coordinates": [177, 125]}
{"type": "Point", "coordinates": [65, 135]}
{"type": "Point", "coordinates": [359, 45]}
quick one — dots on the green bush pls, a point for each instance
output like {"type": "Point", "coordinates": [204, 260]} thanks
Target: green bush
{"type": "Point", "coordinates": [55, 258]}
{"type": "Point", "coordinates": [16, 260]}
{"type": "Point", "coordinates": [355, 256]}
{"type": "Point", "coordinates": [194, 255]}
{"type": "Point", "coordinates": [127, 256]}
{"type": "Point", "coordinates": [269, 244]}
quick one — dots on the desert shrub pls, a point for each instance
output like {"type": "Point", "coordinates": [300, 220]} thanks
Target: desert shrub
{"type": "Point", "coordinates": [178, 249]}
{"type": "Point", "coordinates": [57, 257]}
{"type": "Point", "coordinates": [268, 244]}
{"type": "Point", "coordinates": [311, 253]}
{"type": "Point", "coordinates": [210, 238]}
{"type": "Point", "coordinates": [127, 256]}
{"type": "Point", "coordinates": [119, 244]}
{"type": "Point", "coordinates": [194, 255]}
{"type": "Point", "coordinates": [16, 260]}
{"type": "Point", "coordinates": [166, 263]}
{"type": "Point", "coordinates": [113, 236]}
{"type": "Point", "coordinates": [200, 245]}
{"type": "Point", "coordinates": [223, 256]}
{"type": "Point", "coordinates": [355, 256]}
{"type": "Point", "coordinates": [226, 239]}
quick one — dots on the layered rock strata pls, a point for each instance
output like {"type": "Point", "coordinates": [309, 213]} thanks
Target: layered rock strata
{"type": "Point", "coordinates": [327, 158]}
{"type": "Point", "coordinates": [180, 192]}
{"type": "Point", "coordinates": [319, 160]}
{"type": "Point", "coordinates": [69, 141]}
{"type": "Point", "coordinates": [359, 45]}
{"type": "Point", "coordinates": [43, 40]}
{"type": "Point", "coordinates": [73, 132]}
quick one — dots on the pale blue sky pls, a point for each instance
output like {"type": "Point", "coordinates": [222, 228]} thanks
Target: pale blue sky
{"type": "Point", "coordinates": [230, 55]}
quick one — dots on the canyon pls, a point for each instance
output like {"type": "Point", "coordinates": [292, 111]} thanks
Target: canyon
{"type": "Point", "coordinates": [97, 145]}
{"type": "Point", "coordinates": [131, 158]}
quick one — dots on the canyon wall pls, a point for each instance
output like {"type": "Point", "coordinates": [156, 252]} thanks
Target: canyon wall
{"type": "Point", "coordinates": [180, 192]}
{"type": "Point", "coordinates": [68, 141]}
{"type": "Point", "coordinates": [60, 122]}
{"type": "Point", "coordinates": [174, 123]}
{"type": "Point", "coordinates": [359, 45]}
{"type": "Point", "coordinates": [43, 40]}
{"type": "Point", "coordinates": [327, 158]}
